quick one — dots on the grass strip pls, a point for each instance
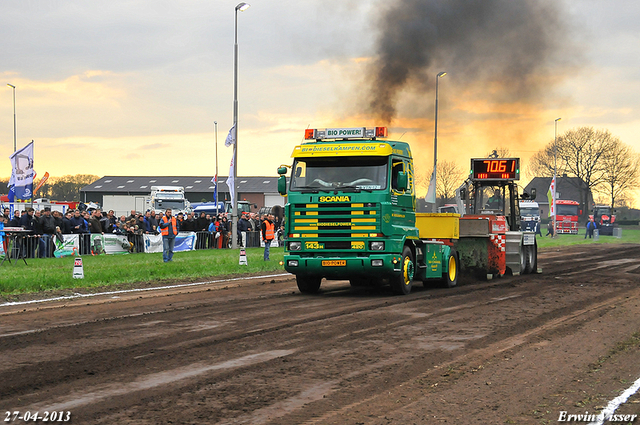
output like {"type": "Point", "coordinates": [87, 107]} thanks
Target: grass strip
{"type": "Point", "coordinates": [46, 274]}
{"type": "Point", "coordinates": [630, 234]}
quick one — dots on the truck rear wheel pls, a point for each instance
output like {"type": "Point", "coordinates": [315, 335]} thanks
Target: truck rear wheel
{"type": "Point", "coordinates": [450, 278]}
{"type": "Point", "coordinates": [523, 259]}
{"type": "Point", "coordinates": [531, 259]}
{"type": "Point", "coordinates": [401, 284]}
{"type": "Point", "coordinates": [308, 284]}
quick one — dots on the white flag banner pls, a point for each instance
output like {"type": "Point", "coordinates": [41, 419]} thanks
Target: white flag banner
{"type": "Point", "coordinates": [431, 193]}
{"type": "Point", "coordinates": [230, 180]}
{"type": "Point", "coordinates": [22, 173]}
{"type": "Point", "coordinates": [551, 196]}
{"type": "Point", "coordinates": [231, 137]}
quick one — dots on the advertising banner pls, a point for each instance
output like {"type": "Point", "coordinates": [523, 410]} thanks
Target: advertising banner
{"type": "Point", "coordinates": [152, 243]}
{"type": "Point", "coordinates": [109, 244]}
{"type": "Point", "coordinates": [185, 241]}
{"type": "Point", "coordinates": [66, 247]}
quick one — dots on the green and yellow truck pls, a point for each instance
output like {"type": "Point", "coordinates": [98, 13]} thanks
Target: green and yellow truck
{"type": "Point", "coordinates": [351, 214]}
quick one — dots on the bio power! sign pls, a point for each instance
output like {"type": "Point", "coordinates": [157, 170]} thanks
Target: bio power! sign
{"type": "Point", "coordinates": [345, 132]}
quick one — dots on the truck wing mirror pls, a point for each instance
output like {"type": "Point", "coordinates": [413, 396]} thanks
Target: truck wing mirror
{"type": "Point", "coordinates": [403, 181]}
{"type": "Point", "coordinates": [463, 193]}
{"type": "Point", "coordinates": [282, 185]}
{"type": "Point", "coordinates": [533, 193]}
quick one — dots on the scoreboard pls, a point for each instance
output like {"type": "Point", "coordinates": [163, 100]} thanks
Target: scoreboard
{"type": "Point", "coordinates": [495, 169]}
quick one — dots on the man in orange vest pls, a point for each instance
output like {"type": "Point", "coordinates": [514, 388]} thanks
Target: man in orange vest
{"type": "Point", "coordinates": [169, 227]}
{"type": "Point", "coordinates": [268, 233]}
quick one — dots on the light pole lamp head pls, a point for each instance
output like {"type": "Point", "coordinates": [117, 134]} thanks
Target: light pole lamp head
{"type": "Point", "coordinates": [242, 6]}
{"type": "Point", "coordinates": [441, 74]}
{"type": "Point", "coordinates": [558, 119]}
{"type": "Point", "coordinates": [11, 85]}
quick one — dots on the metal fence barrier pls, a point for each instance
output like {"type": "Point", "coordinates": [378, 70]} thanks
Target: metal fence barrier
{"type": "Point", "coordinates": [217, 240]}
{"type": "Point", "coordinates": [44, 246]}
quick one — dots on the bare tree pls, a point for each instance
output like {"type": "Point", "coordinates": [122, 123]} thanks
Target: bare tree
{"type": "Point", "coordinates": [65, 188]}
{"type": "Point", "coordinates": [621, 172]}
{"type": "Point", "coordinates": [68, 187]}
{"type": "Point", "coordinates": [542, 163]}
{"type": "Point", "coordinates": [580, 153]}
{"type": "Point", "coordinates": [449, 177]}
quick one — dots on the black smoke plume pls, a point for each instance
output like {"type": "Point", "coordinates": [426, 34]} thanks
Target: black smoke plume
{"type": "Point", "coordinates": [511, 47]}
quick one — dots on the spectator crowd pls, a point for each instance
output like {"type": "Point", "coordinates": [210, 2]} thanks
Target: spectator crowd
{"type": "Point", "coordinates": [212, 231]}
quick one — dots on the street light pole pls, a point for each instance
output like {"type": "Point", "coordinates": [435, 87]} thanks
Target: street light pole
{"type": "Point", "coordinates": [435, 137]}
{"type": "Point", "coordinates": [555, 172]}
{"type": "Point", "coordinates": [215, 125]}
{"type": "Point", "coordinates": [234, 208]}
{"type": "Point", "coordinates": [14, 116]}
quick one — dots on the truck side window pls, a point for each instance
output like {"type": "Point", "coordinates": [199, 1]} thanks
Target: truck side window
{"type": "Point", "coordinates": [396, 167]}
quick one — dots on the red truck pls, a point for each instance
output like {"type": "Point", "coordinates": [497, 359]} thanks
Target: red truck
{"type": "Point", "coordinates": [567, 213]}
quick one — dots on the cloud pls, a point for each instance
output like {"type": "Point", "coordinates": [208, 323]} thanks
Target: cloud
{"type": "Point", "coordinates": [154, 146]}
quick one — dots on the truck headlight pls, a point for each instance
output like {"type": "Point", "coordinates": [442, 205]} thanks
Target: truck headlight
{"type": "Point", "coordinates": [376, 245]}
{"type": "Point", "coordinates": [292, 263]}
{"type": "Point", "coordinates": [295, 246]}
{"type": "Point", "coordinates": [377, 263]}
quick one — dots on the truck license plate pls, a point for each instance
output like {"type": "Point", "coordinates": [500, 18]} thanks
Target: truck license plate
{"type": "Point", "coordinates": [333, 263]}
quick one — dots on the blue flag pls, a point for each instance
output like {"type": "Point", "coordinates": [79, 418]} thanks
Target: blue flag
{"type": "Point", "coordinates": [214, 180]}
{"type": "Point", "coordinates": [22, 172]}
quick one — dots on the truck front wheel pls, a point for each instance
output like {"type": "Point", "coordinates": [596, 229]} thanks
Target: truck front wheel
{"type": "Point", "coordinates": [308, 284]}
{"type": "Point", "coordinates": [401, 284]}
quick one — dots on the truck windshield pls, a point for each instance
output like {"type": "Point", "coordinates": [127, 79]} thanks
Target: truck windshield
{"type": "Point", "coordinates": [163, 204]}
{"type": "Point", "coordinates": [364, 173]}
{"type": "Point", "coordinates": [567, 209]}
{"type": "Point", "coordinates": [490, 200]}
{"type": "Point", "coordinates": [529, 212]}
{"type": "Point", "coordinates": [170, 195]}
{"type": "Point", "coordinates": [242, 208]}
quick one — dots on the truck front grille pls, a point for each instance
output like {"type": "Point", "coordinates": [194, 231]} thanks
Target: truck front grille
{"type": "Point", "coordinates": [335, 220]}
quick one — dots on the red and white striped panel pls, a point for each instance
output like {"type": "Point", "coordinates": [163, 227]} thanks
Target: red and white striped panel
{"type": "Point", "coordinates": [499, 241]}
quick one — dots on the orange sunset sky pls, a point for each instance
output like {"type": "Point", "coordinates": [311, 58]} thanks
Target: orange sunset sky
{"type": "Point", "coordinates": [134, 88]}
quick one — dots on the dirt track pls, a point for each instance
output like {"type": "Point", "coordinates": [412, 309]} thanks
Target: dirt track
{"type": "Point", "coordinates": [517, 350]}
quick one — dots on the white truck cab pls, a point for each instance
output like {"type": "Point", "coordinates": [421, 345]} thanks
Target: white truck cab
{"type": "Point", "coordinates": [529, 215]}
{"type": "Point", "coordinates": [163, 197]}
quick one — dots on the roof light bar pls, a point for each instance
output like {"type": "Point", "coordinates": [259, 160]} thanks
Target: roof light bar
{"type": "Point", "coordinates": [345, 133]}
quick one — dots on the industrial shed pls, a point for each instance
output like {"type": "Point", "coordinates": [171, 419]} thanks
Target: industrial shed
{"type": "Point", "coordinates": [261, 191]}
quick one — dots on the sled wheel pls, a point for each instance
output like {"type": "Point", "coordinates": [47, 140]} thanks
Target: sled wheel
{"type": "Point", "coordinates": [531, 259]}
